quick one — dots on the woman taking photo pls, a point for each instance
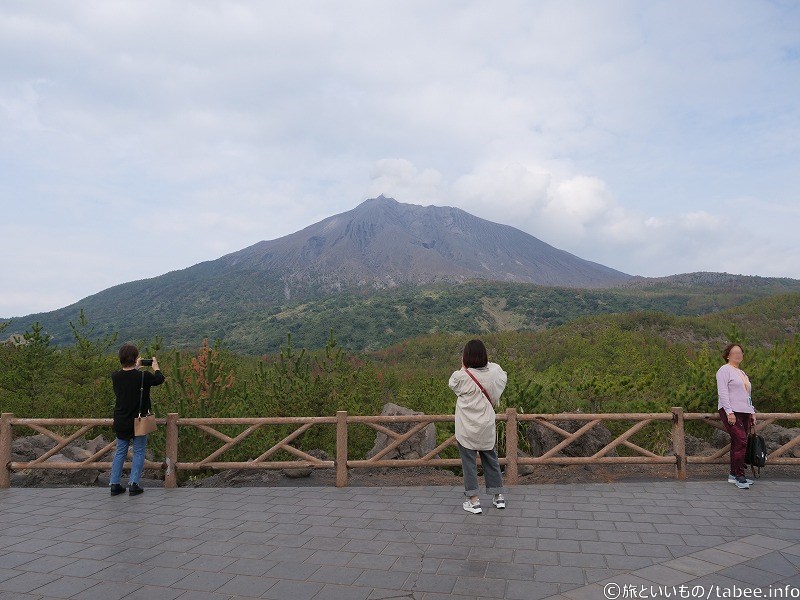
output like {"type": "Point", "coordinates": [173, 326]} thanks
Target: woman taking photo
{"type": "Point", "coordinates": [736, 410]}
{"type": "Point", "coordinates": [478, 386]}
{"type": "Point", "coordinates": [132, 393]}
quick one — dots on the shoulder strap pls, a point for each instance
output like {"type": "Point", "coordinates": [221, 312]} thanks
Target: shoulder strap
{"type": "Point", "coordinates": [141, 396]}
{"type": "Point", "coordinates": [478, 383]}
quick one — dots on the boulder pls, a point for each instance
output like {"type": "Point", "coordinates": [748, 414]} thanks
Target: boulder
{"type": "Point", "coordinates": [695, 446]}
{"type": "Point", "coordinates": [58, 477]}
{"type": "Point", "coordinates": [417, 446]}
{"type": "Point", "coordinates": [542, 439]}
{"type": "Point", "coordinates": [26, 449]}
{"type": "Point", "coordinates": [523, 470]}
{"type": "Point", "coordinates": [776, 436]}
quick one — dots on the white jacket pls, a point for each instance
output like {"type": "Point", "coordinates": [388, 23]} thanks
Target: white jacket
{"type": "Point", "coordinates": [475, 426]}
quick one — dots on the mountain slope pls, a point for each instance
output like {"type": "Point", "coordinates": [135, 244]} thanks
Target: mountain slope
{"type": "Point", "coordinates": [383, 243]}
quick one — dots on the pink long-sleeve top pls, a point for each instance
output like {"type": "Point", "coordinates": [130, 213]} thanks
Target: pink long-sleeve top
{"type": "Point", "coordinates": [733, 390]}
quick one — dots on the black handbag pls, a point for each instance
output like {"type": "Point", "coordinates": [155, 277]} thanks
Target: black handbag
{"type": "Point", "coordinates": [756, 453]}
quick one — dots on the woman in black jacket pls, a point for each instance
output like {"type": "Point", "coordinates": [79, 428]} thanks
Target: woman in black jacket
{"type": "Point", "coordinates": [131, 386]}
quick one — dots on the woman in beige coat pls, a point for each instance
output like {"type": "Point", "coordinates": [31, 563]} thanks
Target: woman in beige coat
{"type": "Point", "coordinates": [478, 386]}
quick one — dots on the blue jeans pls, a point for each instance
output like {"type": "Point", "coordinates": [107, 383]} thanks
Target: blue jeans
{"type": "Point", "coordinates": [137, 464]}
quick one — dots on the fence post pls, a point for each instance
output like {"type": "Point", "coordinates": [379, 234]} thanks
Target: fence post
{"type": "Point", "coordinates": [341, 448]}
{"type": "Point", "coordinates": [679, 442]}
{"type": "Point", "coordinates": [171, 476]}
{"type": "Point", "coordinates": [512, 443]}
{"type": "Point", "coordinates": [5, 449]}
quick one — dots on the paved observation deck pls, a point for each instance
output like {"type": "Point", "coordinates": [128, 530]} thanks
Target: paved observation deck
{"type": "Point", "coordinates": [572, 541]}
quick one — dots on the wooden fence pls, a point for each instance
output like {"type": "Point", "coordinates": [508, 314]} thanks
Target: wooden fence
{"type": "Point", "coordinates": [636, 454]}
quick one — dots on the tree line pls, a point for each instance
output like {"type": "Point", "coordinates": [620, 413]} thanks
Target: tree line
{"type": "Point", "coordinates": [635, 362]}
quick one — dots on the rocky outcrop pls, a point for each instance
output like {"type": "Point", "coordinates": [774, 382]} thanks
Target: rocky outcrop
{"type": "Point", "coordinates": [417, 446]}
{"type": "Point", "coordinates": [776, 436]}
{"type": "Point", "coordinates": [29, 448]}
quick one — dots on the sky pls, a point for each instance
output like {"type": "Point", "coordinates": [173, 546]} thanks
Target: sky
{"type": "Point", "coordinates": [138, 138]}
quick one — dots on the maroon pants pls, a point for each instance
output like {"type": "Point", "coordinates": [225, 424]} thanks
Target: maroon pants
{"type": "Point", "coordinates": [738, 432]}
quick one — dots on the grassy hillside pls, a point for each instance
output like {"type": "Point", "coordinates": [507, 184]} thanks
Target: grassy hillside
{"type": "Point", "coordinates": [250, 319]}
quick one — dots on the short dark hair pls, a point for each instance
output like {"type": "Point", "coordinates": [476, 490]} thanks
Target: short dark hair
{"type": "Point", "coordinates": [727, 351]}
{"type": "Point", "coordinates": [128, 355]}
{"type": "Point", "coordinates": [474, 355]}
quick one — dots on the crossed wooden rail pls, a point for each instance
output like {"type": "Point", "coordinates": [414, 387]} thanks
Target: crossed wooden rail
{"type": "Point", "coordinates": [382, 424]}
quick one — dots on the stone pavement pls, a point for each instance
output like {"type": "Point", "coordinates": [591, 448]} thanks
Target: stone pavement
{"type": "Point", "coordinates": [571, 541]}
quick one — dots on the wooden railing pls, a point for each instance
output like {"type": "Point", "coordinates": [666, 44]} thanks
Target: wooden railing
{"type": "Point", "coordinates": [512, 419]}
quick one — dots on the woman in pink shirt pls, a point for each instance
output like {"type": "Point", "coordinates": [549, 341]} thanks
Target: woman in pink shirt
{"type": "Point", "coordinates": [736, 410]}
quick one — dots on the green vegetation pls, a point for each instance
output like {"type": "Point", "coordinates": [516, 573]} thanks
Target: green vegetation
{"type": "Point", "coordinates": [632, 362]}
{"type": "Point", "coordinates": [249, 315]}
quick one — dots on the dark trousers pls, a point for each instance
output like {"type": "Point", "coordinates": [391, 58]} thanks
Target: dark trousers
{"type": "Point", "coordinates": [491, 471]}
{"type": "Point", "coordinates": [738, 432]}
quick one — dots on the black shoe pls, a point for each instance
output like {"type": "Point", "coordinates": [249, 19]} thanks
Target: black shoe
{"type": "Point", "coordinates": [134, 489]}
{"type": "Point", "coordinates": [117, 489]}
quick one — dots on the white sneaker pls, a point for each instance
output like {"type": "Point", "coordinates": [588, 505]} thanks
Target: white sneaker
{"type": "Point", "coordinates": [475, 509]}
{"type": "Point", "coordinates": [732, 479]}
{"type": "Point", "coordinates": [741, 483]}
{"type": "Point", "coordinates": [499, 501]}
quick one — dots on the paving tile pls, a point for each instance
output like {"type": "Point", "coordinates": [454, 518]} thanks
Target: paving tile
{"type": "Point", "coordinates": [524, 590]}
{"type": "Point", "coordinates": [12, 560]}
{"type": "Point", "coordinates": [693, 566]}
{"type": "Point", "coordinates": [295, 571]}
{"type": "Point", "coordinates": [426, 582]}
{"type": "Point", "coordinates": [246, 585]}
{"type": "Point", "coordinates": [415, 564]}
{"type": "Point", "coordinates": [66, 587]}
{"type": "Point", "coordinates": [204, 581]}
{"type": "Point", "coordinates": [148, 592]}
{"type": "Point", "coordinates": [120, 572]}
{"type": "Point", "coordinates": [337, 575]}
{"type": "Point", "coordinates": [767, 542]}
{"type": "Point", "coordinates": [209, 563]}
{"type": "Point", "coordinates": [773, 562]}
{"type": "Point", "coordinates": [249, 566]}
{"type": "Point", "coordinates": [373, 578]}
{"type": "Point", "coordinates": [664, 575]}
{"type": "Point", "coordinates": [751, 575]}
{"type": "Point", "coordinates": [371, 561]}
{"type": "Point", "coordinates": [28, 582]}
{"type": "Point", "coordinates": [46, 564]}
{"type": "Point", "coordinates": [160, 576]}
{"type": "Point", "coordinates": [338, 592]}
{"type": "Point", "coordinates": [744, 549]}
{"type": "Point", "coordinates": [604, 548]}
{"type": "Point", "coordinates": [574, 559]}
{"type": "Point", "coordinates": [296, 590]}
{"type": "Point", "coordinates": [480, 587]}
{"type": "Point", "coordinates": [82, 567]}
{"type": "Point", "coordinates": [553, 574]}
{"type": "Point", "coordinates": [109, 591]}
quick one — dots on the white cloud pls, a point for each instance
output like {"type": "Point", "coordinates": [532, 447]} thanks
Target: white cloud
{"type": "Point", "coordinates": [619, 131]}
